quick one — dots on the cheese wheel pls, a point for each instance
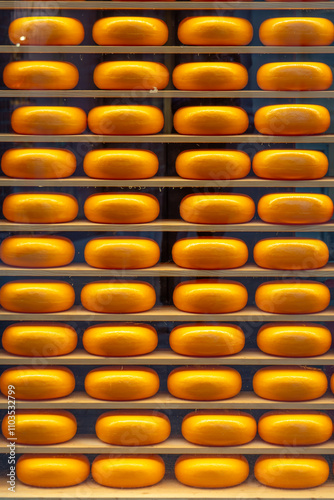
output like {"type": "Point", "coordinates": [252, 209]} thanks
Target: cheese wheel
{"type": "Point", "coordinates": [131, 75]}
{"type": "Point", "coordinates": [290, 383]}
{"type": "Point", "coordinates": [40, 75]}
{"type": "Point", "coordinates": [39, 163]}
{"type": "Point", "coordinates": [291, 253]}
{"type": "Point", "coordinates": [39, 339]}
{"type": "Point", "coordinates": [291, 471]}
{"type": "Point", "coordinates": [38, 383]}
{"type": "Point", "coordinates": [51, 471]}
{"type": "Point", "coordinates": [292, 119]}
{"type": "Point", "coordinates": [213, 164]}
{"type": "Point", "coordinates": [332, 383]}
{"type": "Point", "coordinates": [48, 120]}
{"type": "Point", "coordinates": [292, 297]}
{"type": "Point", "coordinates": [127, 383]}
{"type": "Point", "coordinates": [297, 31]}
{"type": "Point", "coordinates": [210, 76]}
{"type": "Point", "coordinates": [46, 30]}
{"type": "Point", "coordinates": [286, 164]}
{"type": "Point", "coordinates": [207, 340]}
{"type": "Point", "coordinates": [294, 76]}
{"type": "Point", "coordinates": [211, 120]}
{"type": "Point", "coordinates": [120, 164]}
{"type": "Point", "coordinates": [211, 471]}
{"type": "Point", "coordinates": [125, 120]}
{"type": "Point", "coordinates": [295, 208]}
{"type": "Point", "coordinates": [130, 30]}
{"type": "Point", "coordinates": [215, 30]}
{"type": "Point", "coordinates": [121, 208]}
{"type": "Point", "coordinates": [219, 428]}
{"type": "Point", "coordinates": [41, 427]}
{"type": "Point", "coordinates": [40, 208]}
{"type": "Point", "coordinates": [129, 428]}
{"type": "Point", "coordinates": [217, 208]}
{"type": "Point", "coordinates": [37, 251]}
{"type": "Point", "coordinates": [115, 297]}
{"type": "Point", "coordinates": [204, 383]}
{"type": "Point", "coordinates": [294, 339]}
{"type": "Point", "coordinates": [295, 428]}
{"type": "Point", "coordinates": [120, 339]}
{"type": "Point", "coordinates": [128, 471]}
{"type": "Point", "coordinates": [121, 253]}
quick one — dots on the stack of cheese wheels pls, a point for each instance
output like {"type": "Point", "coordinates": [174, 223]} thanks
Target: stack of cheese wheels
{"type": "Point", "coordinates": [122, 383]}
{"type": "Point", "coordinates": [208, 164]}
{"type": "Point", "coordinates": [48, 120]}
{"type": "Point", "coordinates": [210, 76]}
{"type": "Point", "coordinates": [125, 119]}
{"type": "Point", "coordinates": [40, 208]}
{"type": "Point", "coordinates": [130, 31]}
{"type": "Point", "coordinates": [120, 164]}
{"type": "Point", "coordinates": [40, 75]}
{"type": "Point", "coordinates": [211, 120]}
{"type": "Point", "coordinates": [129, 428]}
{"type": "Point", "coordinates": [131, 75]}
{"type": "Point", "coordinates": [297, 31]}
{"type": "Point", "coordinates": [290, 383]}
{"type": "Point", "coordinates": [294, 76]}
{"type": "Point", "coordinates": [46, 30]}
{"type": "Point", "coordinates": [215, 30]}
{"type": "Point", "coordinates": [204, 383]}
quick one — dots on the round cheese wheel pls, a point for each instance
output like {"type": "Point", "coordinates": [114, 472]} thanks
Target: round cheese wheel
{"type": "Point", "coordinates": [294, 76]}
{"type": "Point", "coordinates": [204, 383]}
{"type": "Point", "coordinates": [332, 383]}
{"type": "Point", "coordinates": [297, 31]}
{"type": "Point", "coordinates": [292, 119]}
{"type": "Point", "coordinates": [219, 428]}
{"type": "Point", "coordinates": [131, 75]}
{"type": "Point", "coordinates": [39, 339]}
{"type": "Point", "coordinates": [40, 208]}
{"type": "Point", "coordinates": [121, 253]}
{"type": "Point", "coordinates": [285, 164]}
{"type": "Point", "coordinates": [215, 30]}
{"type": "Point", "coordinates": [289, 383]}
{"type": "Point", "coordinates": [40, 75]}
{"type": "Point", "coordinates": [213, 164]}
{"type": "Point", "coordinates": [120, 339]}
{"type": "Point", "coordinates": [211, 471]}
{"type": "Point", "coordinates": [129, 428]}
{"type": "Point", "coordinates": [217, 208]}
{"type": "Point", "coordinates": [38, 383]}
{"type": "Point", "coordinates": [130, 31]}
{"type": "Point", "coordinates": [38, 163]}
{"type": "Point", "coordinates": [125, 120]}
{"type": "Point", "coordinates": [120, 164]}
{"type": "Point", "coordinates": [210, 76]}
{"type": "Point", "coordinates": [295, 208]}
{"type": "Point", "coordinates": [211, 120]}
{"type": "Point", "coordinates": [41, 427]}
{"type": "Point", "coordinates": [46, 30]}
{"type": "Point", "coordinates": [128, 471]}
{"type": "Point", "coordinates": [127, 383]}
{"type": "Point", "coordinates": [48, 120]}
{"type": "Point", "coordinates": [121, 208]}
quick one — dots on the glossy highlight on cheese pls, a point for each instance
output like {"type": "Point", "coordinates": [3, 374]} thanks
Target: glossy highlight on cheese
{"type": "Point", "coordinates": [131, 75]}
{"type": "Point", "coordinates": [48, 120]}
{"type": "Point", "coordinates": [40, 208]}
{"type": "Point", "coordinates": [211, 120]}
{"type": "Point", "coordinates": [297, 76]}
{"type": "Point", "coordinates": [212, 164]}
{"type": "Point", "coordinates": [125, 119]}
{"type": "Point", "coordinates": [46, 30]}
{"type": "Point", "coordinates": [130, 30]}
{"type": "Point", "coordinates": [215, 30]}
{"type": "Point", "coordinates": [40, 75]}
{"type": "Point", "coordinates": [210, 76]}
{"type": "Point", "coordinates": [297, 31]}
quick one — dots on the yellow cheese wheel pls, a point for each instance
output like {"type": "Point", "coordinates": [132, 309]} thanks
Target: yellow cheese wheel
{"type": "Point", "coordinates": [46, 30]}
{"type": "Point", "coordinates": [39, 339]}
{"type": "Point", "coordinates": [211, 120]}
{"type": "Point", "coordinates": [121, 253]}
{"type": "Point", "coordinates": [210, 76]}
{"type": "Point", "coordinates": [211, 471]}
{"type": "Point", "coordinates": [128, 471]}
{"type": "Point", "coordinates": [204, 383]}
{"type": "Point", "coordinates": [215, 30]}
{"type": "Point", "coordinates": [130, 31]}
{"type": "Point", "coordinates": [332, 383]}
{"type": "Point", "coordinates": [121, 208]}
{"type": "Point", "coordinates": [120, 339]}
{"type": "Point", "coordinates": [292, 119]}
{"type": "Point", "coordinates": [120, 164]}
{"type": "Point", "coordinates": [133, 428]}
{"type": "Point", "coordinates": [41, 427]}
{"type": "Point", "coordinates": [297, 31]}
{"type": "Point", "coordinates": [39, 163]}
{"type": "Point", "coordinates": [217, 208]}
{"type": "Point", "coordinates": [48, 120]}
{"type": "Point", "coordinates": [51, 471]}
{"type": "Point", "coordinates": [290, 383]}
{"type": "Point", "coordinates": [291, 471]}
{"type": "Point", "coordinates": [38, 383]}
{"type": "Point", "coordinates": [131, 75]}
{"type": "Point", "coordinates": [40, 75]}
{"type": "Point", "coordinates": [289, 164]}
{"type": "Point", "coordinates": [294, 76]}
{"type": "Point", "coordinates": [219, 428]}
{"type": "Point", "coordinates": [125, 119]}
{"type": "Point", "coordinates": [112, 383]}
{"type": "Point", "coordinates": [213, 164]}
